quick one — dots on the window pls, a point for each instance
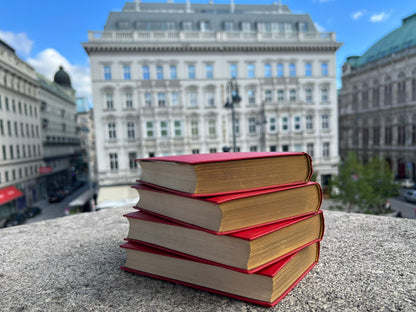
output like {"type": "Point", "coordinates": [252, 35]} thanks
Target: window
{"type": "Point", "coordinates": [191, 71]}
{"type": "Point", "coordinates": [164, 131]}
{"type": "Point", "coordinates": [297, 123]}
{"type": "Point", "coordinates": [193, 99]}
{"type": "Point", "coordinates": [9, 128]}
{"type": "Point", "coordinates": [292, 70]}
{"type": "Point", "coordinates": [161, 99]}
{"type": "Point", "coordinates": [272, 124]}
{"type": "Point", "coordinates": [252, 125]}
{"type": "Point", "coordinates": [109, 100]}
{"type": "Point", "coordinates": [250, 70]}
{"type": "Point", "coordinates": [159, 72]}
{"type": "Point", "coordinates": [280, 96]}
{"type": "Point", "coordinates": [308, 70]}
{"type": "Point", "coordinates": [173, 72]}
{"type": "Point", "coordinates": [292, 95]}
{"type": "Point", "coordinates": [267, 70]}
{"type": "Point", "coordinates": [4, 152]}
{"type": "Point", "coordinates": [209, 74]}
{"type": "Point", "coordinates": [148, 99]}
{"type": "Point", "coordinates": [132, 157]}
{"type": "Point", "coordinates": [107, 72]}
{"type": "Point", "coordinates": [233, 70]}
{"type": "Point", "coordinates": [273, 148]}
{"type": "Point", "coordinates": [194, 128]}
{"type": "Point", "coordinates": [251, 95]}
{"type": "Point", "coordinates": [309, 149]}
{"type": "Point", "coordinates": [145, 72]}
{"type": "Point", "coordinates": [324, 69]}
{"type": "Point", "coordinates": [212, 150]}
{"type": "Point", "coordinates": [268, 95]}
{"type": "Point", "coordinates": [325, 122]}
{"type": "Point", "coordinates": [204, 26]}
{"type": "Point", "coordinates": [325, 150]}
{"type": "Point", "coordinates": [324, 95]}
{"type": "Point", "coordinates": [376, 97]}
{"type": "Point", "coordinates": [285, 124]}
{"type": "Point", "coordinates": [210, 98]}
{"type": "Point", "coordinates": [285, 148]}
{"type": "Point", "coordinates": [177, 125]}
{"type": "Point", "coordinates": [128, 97]}
{"type": "Point", "coordinates": [113, 161]}
{"type": "Point", "coordinates": [150, 133]}
{"type": "Point", "coordinates": [308, 95]}
{"type": "Point", "coordinates": [388, 138]}
{"type": "Point", "coordinates": [297, 148]}
{"type": "Point", "coordinates": [212, 127]}
{"type": "Point", "coordinates": [280, 71]}
{"type": "Point", "coordinates": [126, 72]}
{"type": "Point", "coordinates": [195, 151]}
{"type": "Point", "coordinates": [11, 152]}
{"type": "Point", "coordinates": [309, 122]}
{"type": "Point", "coordinates": [237, 126]}
{"type": "Point", "coordinates": [376, 136]}
{"type": "Point", "coordinates": [229, 26]}
{"type": "Point", "coordinates": [131, 133]}
{"type": "Point", "coordinates": [174, 97]}
{"type": "Point", "coordinates": [187, 26]}
{"type": "Point", "coordinates": [112, 134]}
{"type": "Point", "coordinates": [18, 151]}
{"type": "Point", "coordinates": [245, 26]}
{"type": "Point", "coordinates": [1, 127]}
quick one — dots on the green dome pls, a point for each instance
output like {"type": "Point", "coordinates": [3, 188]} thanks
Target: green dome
{"type": "Point", "coordinates": [398, 40]}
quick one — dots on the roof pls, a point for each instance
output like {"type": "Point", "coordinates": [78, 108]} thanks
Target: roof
{"type": "Point", "coordinates": [398, 40]}
{"type": "Point", "coordinates": [154, 16]}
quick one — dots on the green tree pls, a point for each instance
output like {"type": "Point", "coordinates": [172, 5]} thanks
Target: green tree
{"type": "Point", "coordinates": [363, 187]}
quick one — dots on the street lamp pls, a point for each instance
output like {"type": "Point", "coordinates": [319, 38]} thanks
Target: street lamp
{"type": "Point", "coordinates": [232, 91]}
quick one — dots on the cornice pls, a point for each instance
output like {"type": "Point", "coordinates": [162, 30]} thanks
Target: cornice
{"type": "Point", "coordinates": [191, 47]}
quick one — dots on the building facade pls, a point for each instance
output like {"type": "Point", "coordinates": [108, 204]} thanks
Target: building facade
{"type": "Point", "coordinates": [20, 133]}
{"type": "Point", "coordinates": [61, 144]}
{"type": "Point", "coordinates": [160, 77]}
{"type": "Point", "coordinates": [377, 102]}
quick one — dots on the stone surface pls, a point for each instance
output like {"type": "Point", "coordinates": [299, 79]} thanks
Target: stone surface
{"type": "Point", "coordinates": [368, 263]}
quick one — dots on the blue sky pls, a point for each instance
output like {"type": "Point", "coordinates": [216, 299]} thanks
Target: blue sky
{"type": "Point", "coordinates": [49, 33]}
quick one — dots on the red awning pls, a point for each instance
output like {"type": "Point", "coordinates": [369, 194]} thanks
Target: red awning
{"type": "Point", "coordinates": [9, 193]}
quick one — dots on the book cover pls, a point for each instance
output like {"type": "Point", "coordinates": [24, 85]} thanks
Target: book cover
{"type": "Point", "coordinates": [233, 212]}
{"type": "Point", "coordinates": [147, 261]}
{"type": "Point", "coordinates": [271, 242]}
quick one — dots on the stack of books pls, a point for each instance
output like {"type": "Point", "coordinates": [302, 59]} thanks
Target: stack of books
{"type": "Point", "coordinates": [245, 225]}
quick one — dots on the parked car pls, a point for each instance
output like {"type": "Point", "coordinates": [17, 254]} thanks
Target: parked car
{"type": "Point", "coordinates": [32, 211]}
{"type": "Point", "coordinates": [15, 219]}
{"type": "Point", "coordinates": [410, 196]}
{"type": "Point", "coordinates": [407, 183]}
{"type": "Point", "coordinates": [57, 197]}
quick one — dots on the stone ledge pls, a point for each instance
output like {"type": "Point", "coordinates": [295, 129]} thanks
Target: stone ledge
{"type": "Point", "coordinates": [368, 263]}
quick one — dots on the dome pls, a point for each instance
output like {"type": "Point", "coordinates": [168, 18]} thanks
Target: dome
{"type": "Point", "coordinates": [62, 78]}
{"type": "Point", "coordinates": [396, 41]}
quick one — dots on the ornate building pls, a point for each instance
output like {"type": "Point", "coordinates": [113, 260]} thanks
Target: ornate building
{"type": "Point", "coordinates": [377, 111]}
{"type": "Point", "coordinates": [160, 77]}
{"type": "Point", "coordinates": [20, 134]}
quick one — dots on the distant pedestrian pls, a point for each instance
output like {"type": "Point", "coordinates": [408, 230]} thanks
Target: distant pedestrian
{"type": "Point", "coordinates": [66, 211]}
{"type": "Point", "coordinates": [399, 214]}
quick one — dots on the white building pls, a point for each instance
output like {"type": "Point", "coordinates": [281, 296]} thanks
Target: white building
{"type": "Point", "coordinates": [20, 133]}
{"type": "Point", "coordinates": [160, 73]}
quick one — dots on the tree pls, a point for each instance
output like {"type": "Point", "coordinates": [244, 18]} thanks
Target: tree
{"type": "Point", "coordinates": [364, 187]}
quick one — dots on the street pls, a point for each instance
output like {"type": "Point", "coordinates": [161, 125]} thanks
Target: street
{"type": "Point", "coordinates": [408, 210]}
{"type": "Point", "coordinates": [55, 210]}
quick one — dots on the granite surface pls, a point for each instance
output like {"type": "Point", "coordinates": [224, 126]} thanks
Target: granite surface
{"type": "Point", "coordinates": [368, 263]}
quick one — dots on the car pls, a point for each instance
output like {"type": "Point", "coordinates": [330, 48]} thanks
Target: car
{"type": "Point", "coordinates": [407, 183]}
{"type": "Point", "coordinates": [30, 212]}
{"type": "Point", "coordinates": [57, 197]}
{"type": "Point", "coordinates": [15, 219]}
{"type": "Point", "coordinates": [410, 196]}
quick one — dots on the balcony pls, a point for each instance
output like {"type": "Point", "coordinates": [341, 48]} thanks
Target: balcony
{"type": "Point", "coordinates": [175, 36]}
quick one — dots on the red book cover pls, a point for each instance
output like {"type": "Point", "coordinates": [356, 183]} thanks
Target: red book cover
{"type": "Point", "coordinates": [148, 176]}
{"type": "Point", "coordinates": [167, 213]}
{"type": "Point", "coordinates": [269, 271]}
{"type": "Point", "coordinates": [247, 235]}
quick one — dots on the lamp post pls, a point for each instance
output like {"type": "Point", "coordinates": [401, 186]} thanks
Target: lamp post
{"type": "Point", "coordinates": [232, 91]}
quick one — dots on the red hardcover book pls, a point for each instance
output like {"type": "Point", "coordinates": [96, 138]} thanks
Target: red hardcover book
{"type": "Point", "coordinates": [266, 287]}
{"type": "Point", "coordinates": [223, 173]}
{"type": "Point", "coordinates": [247, 251]}
{"type": "Point", "coordinates": [234, 212]}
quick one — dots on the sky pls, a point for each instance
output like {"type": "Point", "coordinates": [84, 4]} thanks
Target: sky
{"type": "Point", "coordinates": [48, 34]}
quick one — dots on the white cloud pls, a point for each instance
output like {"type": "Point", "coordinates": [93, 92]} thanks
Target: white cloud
{"type": "Point", "coordinates": [357, 15]}
{"type": "Point", "coordinates": [20, 42]}
{"type": "Point", "coordinates": [319, 27]}
{"type": "Point", "coordinates": [47, 63]}
{"type": "Point", "coordinates": [379, 17]}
